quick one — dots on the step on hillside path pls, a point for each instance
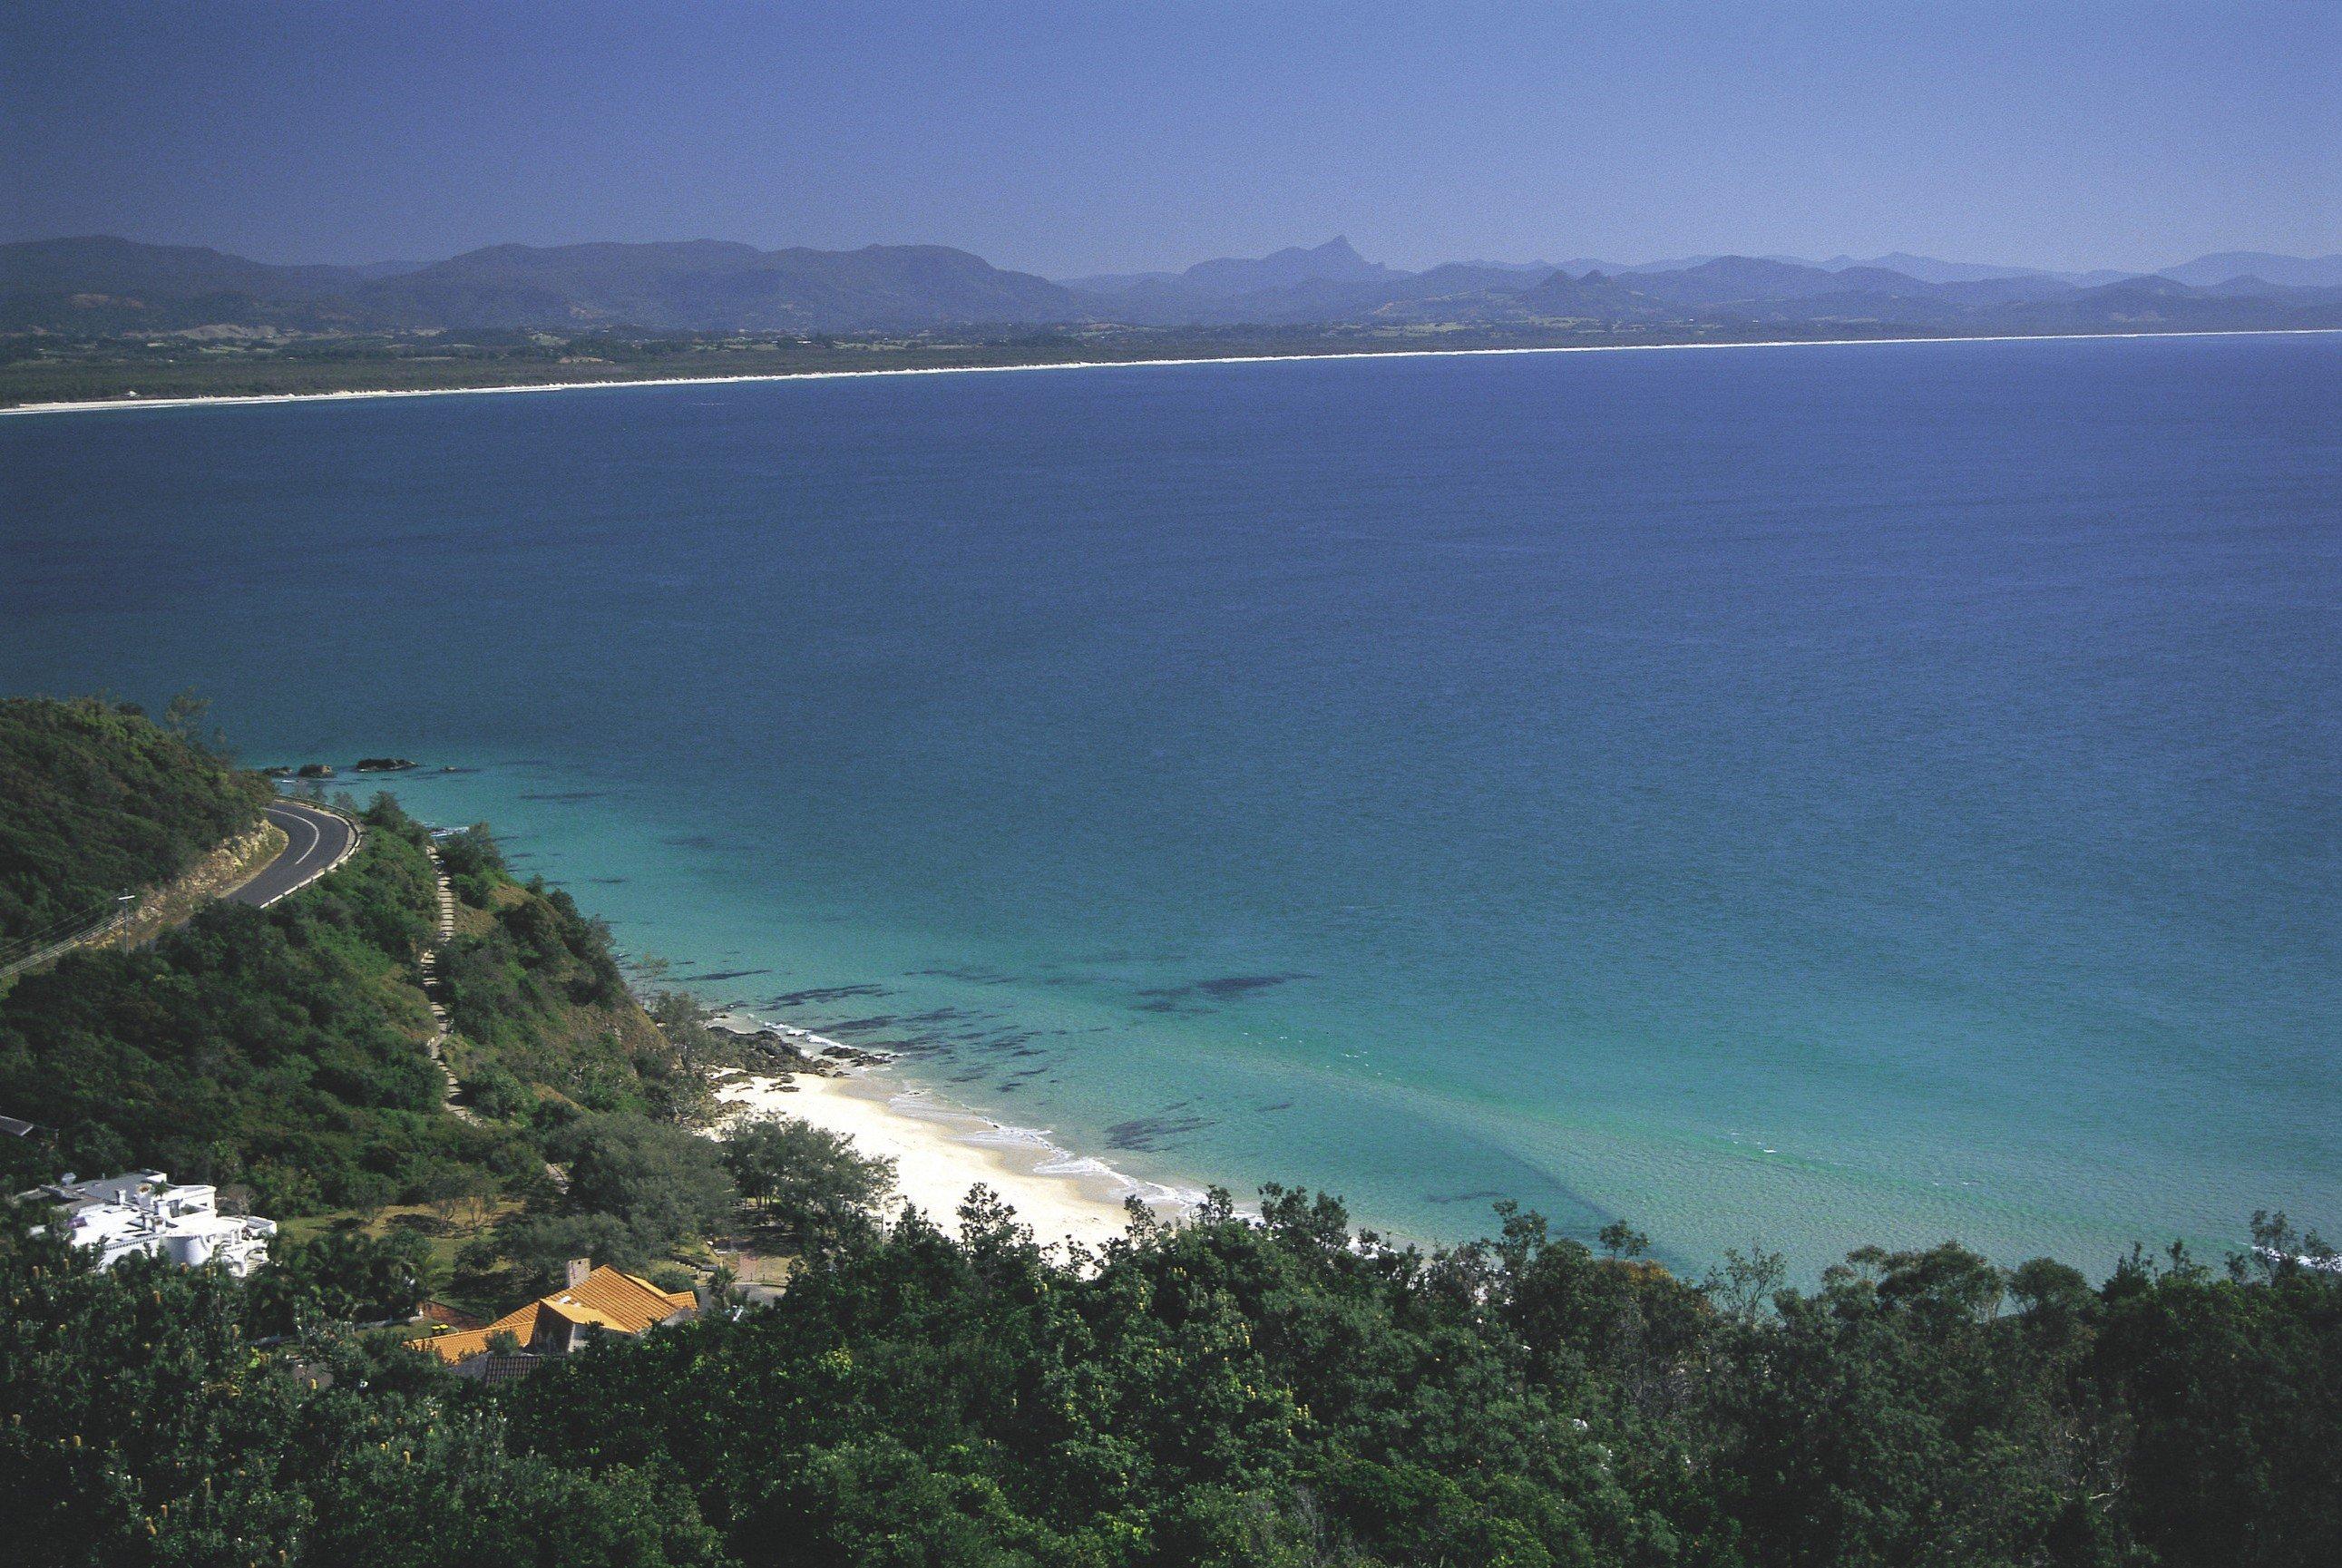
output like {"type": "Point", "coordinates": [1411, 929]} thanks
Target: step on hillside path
{"type": "Point", "coordinates": [429, 964]}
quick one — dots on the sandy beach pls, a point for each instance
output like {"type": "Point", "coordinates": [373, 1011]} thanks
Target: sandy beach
{"type": "Point", "coordinates": [940, 1151]}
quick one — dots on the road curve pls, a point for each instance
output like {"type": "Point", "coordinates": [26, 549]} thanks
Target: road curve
{"type": "Point", "coordinates": [318, 841]}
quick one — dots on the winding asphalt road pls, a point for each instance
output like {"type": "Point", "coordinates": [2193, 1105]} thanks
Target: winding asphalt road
{"type": "Point", "coordinates": [319, 841]}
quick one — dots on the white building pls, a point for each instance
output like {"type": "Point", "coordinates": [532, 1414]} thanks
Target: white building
{"type": "Point", "coordinates": [143, 1212]}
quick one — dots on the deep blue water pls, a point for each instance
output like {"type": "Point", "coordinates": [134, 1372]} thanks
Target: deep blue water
{"type": "Point", "coordinates": [1803, 796]}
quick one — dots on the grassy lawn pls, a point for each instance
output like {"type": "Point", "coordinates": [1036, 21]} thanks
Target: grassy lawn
{"type": "Point", "coordinates": [445, 1236]}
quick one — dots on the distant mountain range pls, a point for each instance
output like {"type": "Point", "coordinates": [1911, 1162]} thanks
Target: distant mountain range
{"type": "Point", "coordinates": [105, 287]}
{"type": "Point", "coordinates": [1332, 283]}
{"type": "Point", "coordinates": [2228, 266]}
{"type": "Point", "coordinates": [693, 286]}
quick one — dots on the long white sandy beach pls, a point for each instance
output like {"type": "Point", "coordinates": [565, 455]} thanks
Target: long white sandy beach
{"type": "Point", "coordinates": [232, 400]}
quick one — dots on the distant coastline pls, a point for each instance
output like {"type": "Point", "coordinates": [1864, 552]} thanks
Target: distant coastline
{"type": "Point", "coordinates": [97, 406]}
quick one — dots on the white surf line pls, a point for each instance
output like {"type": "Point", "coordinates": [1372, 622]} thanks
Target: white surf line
{"type": "Point", "coordinates": [97, 406]}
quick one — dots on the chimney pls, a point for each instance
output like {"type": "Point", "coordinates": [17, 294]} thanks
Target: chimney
{"type": "Point", "coordinates": [578, 1269]}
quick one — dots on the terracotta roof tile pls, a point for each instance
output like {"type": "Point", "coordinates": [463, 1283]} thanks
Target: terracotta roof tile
{"type": "Point", "coordinates": [452, 1348]}
{"type": "Point", "coordinates": [606, 1298]}
{"type": "Point", "coordinates": [618, 1301]}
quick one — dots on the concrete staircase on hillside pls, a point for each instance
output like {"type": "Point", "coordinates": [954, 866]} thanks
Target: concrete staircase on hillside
{"type": "Point", "coordinates": [429, 964]}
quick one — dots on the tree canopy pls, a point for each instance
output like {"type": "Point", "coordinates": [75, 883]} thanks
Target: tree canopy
{"type": "Point", "coordinates": [1279, 1390]}
{"type": "Point", "coordinates": [811, 1184]}
{"type": "Point", "coordinates": [282, 1050]}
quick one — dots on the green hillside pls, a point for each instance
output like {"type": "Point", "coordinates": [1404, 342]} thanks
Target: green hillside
{"type": "Point", "coordinates": [97, 800]}
{"type": "Point", "coordinates": [284, 1051]}
{"type": "Point", "coordinates": [278, 1048]}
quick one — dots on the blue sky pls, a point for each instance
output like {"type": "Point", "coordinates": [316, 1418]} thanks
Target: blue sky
{"type": "Point", "coordinates": [1076, 138]}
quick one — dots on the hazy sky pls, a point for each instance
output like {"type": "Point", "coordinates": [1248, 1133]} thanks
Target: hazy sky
{"type": "Point", "coordinates": [1074, 138]}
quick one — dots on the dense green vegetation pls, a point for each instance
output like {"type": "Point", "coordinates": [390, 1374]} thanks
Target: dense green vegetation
{"type": "Point", "coordinates": [144, 1428]}
{"type": "Point", "coordinates": [809, 1182]}
{"type": "Point", "coordinates": [636, 1189]}
{"type": "Point", "coordinates": [280, 1052]}
{"type": "Point", "coordinates": [283, 1054]}
{"type": "Point", "coordinates": [99, 800]}
{"type": "Point", "coordinates": [341, 1277]}
{"type": "Point", "coordinates": [1224, 1393]}
{"type": "Point", "coordinates": [1289, 1392]}
{"type": "Point", "coordinates": [546, 1025]}
{"type": "Point", "coordinates": [274, 1049]}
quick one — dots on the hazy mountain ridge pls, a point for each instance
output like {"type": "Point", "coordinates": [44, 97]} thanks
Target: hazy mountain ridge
{"type": "Point", "coordinates": [2282, 271]}
{"type": "Point", "coordinates": [1734, 289]}
{"type": "Point", "coordinates": [693, 286]}
{"type": "Point", "coordinates": [105, 286]}
{"type": "Point", "coordinates": [712, 286]}
{"type": "Point", "coordinates": [102, 264]}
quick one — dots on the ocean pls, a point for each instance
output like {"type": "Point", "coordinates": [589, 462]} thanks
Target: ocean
{"type": "Point", "coordinates": [1791, 797]}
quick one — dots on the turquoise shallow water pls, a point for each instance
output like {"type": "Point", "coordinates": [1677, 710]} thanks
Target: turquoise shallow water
{"type": "Point", "coordinates": [1803, 796]}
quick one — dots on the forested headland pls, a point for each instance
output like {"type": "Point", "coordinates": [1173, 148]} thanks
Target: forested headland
{"type": "Point", "coordinates": [281, 1053]}
{"type": "Point", "coordinates": [1271, 1388]}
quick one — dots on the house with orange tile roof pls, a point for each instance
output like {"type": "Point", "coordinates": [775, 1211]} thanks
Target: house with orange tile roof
{"type": "Point", "coordinates": [604, 1300]}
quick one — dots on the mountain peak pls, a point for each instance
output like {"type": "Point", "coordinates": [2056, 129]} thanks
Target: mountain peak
{"type": "Point", "coordinates": [1335, 261]}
